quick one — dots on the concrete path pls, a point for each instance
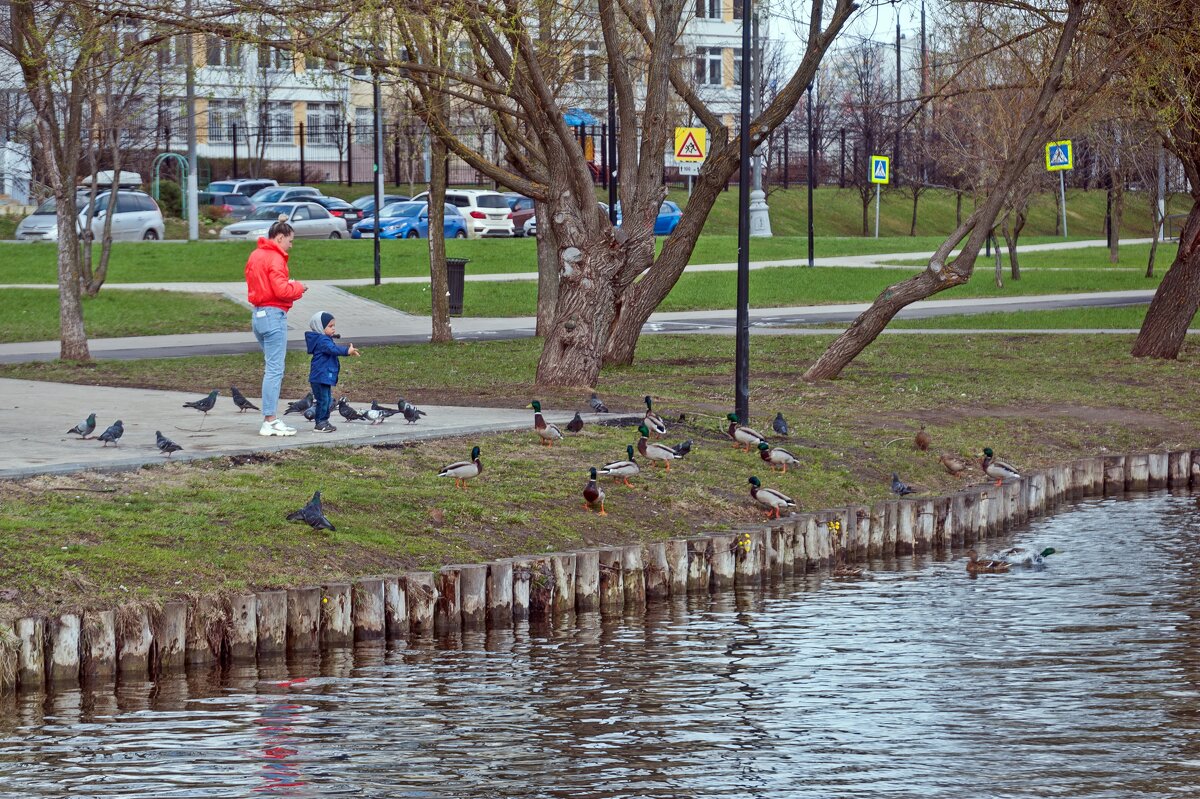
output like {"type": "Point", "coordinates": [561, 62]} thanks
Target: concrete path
{"type": "Point", "coordinates": [33, 416]}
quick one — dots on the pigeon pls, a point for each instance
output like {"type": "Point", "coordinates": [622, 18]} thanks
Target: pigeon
{"type": "Point", "coordinates": [85, 428]}
{"type": "Point", "coordinates": [780, 425]}
{"type": "Point", "coordinates": [375, 406]}
{"type": "Point", "coordinates": [300, 405]}
{"type": "Point", "coordinates": [348, 413]}
{"type": "Point", "coordinates": [312, 515]}
{"type": "Point", "coordinates": [114, 432]}
{"type": "Point", "coordinates": [593, 494]}
{"type": "Point", "coordinates": [899, 487]}
{"type": "Point", "coordinates": [204, 405]}
{"type": "Point", "coordinates": [405, 405]}
{"type": "Point", "coordinates": [683, 448]}
{"type": "Point", "coordinates": [376, 415]}
{"type": "Point", "coordinates": [922, 439]}
{"type": "Point", "coordinates": [240, 400]}
{"type": "Point", "coordinates": [597, 405]}
{"type": "Point", "coordinates": [412, 414]}
{"type": "Point", "coordinates": [310, 413]}
{"type": "Point", "coordinates": [576, 424]}
{"type": "Point", "coordinates": [165, 445]}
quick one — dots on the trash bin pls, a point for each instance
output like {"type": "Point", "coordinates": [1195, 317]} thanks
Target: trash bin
{"type": "Point", "coordinates": [456, 275]}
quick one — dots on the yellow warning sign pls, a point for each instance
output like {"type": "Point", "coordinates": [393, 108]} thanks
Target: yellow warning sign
{"type": "Point", "coordinates": [691, 145]}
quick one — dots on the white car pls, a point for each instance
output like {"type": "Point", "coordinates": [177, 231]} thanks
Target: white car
{"type": "Point", "coordinates": [137, 218]}
{"type": "Point", "coordinates": [487, 212]}
{"type": "Point", "coordinates": [309, 220]}
{"type": "Point", "coordinates": [283, 194]}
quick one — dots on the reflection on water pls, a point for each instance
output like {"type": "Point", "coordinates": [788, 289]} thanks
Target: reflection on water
{"type": "Point", "coordinates": [1077, 681]}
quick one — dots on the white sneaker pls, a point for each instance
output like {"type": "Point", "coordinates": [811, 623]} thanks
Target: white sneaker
{"type": "Point", "coordinates": [276, 427]}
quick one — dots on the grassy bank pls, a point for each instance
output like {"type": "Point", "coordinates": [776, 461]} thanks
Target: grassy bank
{"type": "Point", "coordinates": [32, 314]}
{"type": "Point", "coordinates": [180, 528]}
{"type": "Point", "coordinates": [770, 288]}
{"type": "Point", "coordinates": [1129, 318]}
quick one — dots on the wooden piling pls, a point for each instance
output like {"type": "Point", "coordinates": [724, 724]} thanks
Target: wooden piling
{"type": "Point", "coordinates": [62, 649]}
{"type": "Point", "coordinates": [243, 629]}
{"type": "Point", "coordinates": [1179, 468]}
{"type": "Point", "coordinates": [587, 580]}
{"type": "Point", "coordinates": [677, 561]}
{"type": "Point", "coordinates": [368, 609]}
{"type": "Point", "coordinates": [997, 504]}
{"type": "Point", "coordinates": [773, 551]}
{"type": "Point", "coordinates": [612, 586]}
{"type": "Point", "coordinates": [31, 659]}
{"type": "Point", "coordinates": [926, 521]}
{"type": "Point", "coordinates": [1114, 474]}
{"type": "Point", "coordinates": [747, 557]}
{"type": "Point", "coordinates": [472, 588]}
{"type": "Point", "coordinates": [303, 619]}
{"type": "Point", "coordinates": [1160, 470]}
{"type": "Point", "coordinates": [500, 594]}
{"type": "Point", "coordinates": [521, 576]}
{"type": "Point", "coordinates": [271, 621]}
{"type": "Point", "coordinates": [169, 629]}
{"type": "Point", "coordinates": [134, 639]}
{"type": "Point", "coordinates": [906, 527]}
{"type": "Point", "coordinates": [1036, 493]}
{"type": "Point", "coordinates": [943, 524]}
{"type": "Point", "coordinates": [447, 609]}
{"type": "Point", "coordinates": [957, 526]}
{"type": "Point", "coordinates": [890, 535]}
{"type": "Point", "coordinates": [420, 595]}
{"type": "Point", "coordinates": [563, 566]}
{"type": "Point", "coordinates": [541, 590]}
{"type": "Point", "coordinates": [721, 560]}
{"type": "Point", "coordinates": [699, 565]}
{"type": "Point", "coordinates": [208, 626]}
{"type": "Point", "coordinates": [787, 554]}
{"type": "Point", "coordinates": [98, 645]}
{"type": "Point", "coordinates": [657, 570]}
{"type": "Point", "coordinates": [633, 576]}
{"type": "Point", "coordinates": [1137, 472]}
{"type": "Point", "coordinates": [8, 659]}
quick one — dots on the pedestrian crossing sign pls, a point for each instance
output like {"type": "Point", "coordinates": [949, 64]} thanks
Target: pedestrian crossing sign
{"type": "Point", "coordinates": [880, 167]}
{"type": "Point", "coordinates": [1059, 156]}
{"type": "Point", "coordinates": [690, 145]}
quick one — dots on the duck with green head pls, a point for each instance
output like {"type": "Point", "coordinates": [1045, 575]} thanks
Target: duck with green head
{"type": "Point", "coordinates": [777, 456]}
{"type": "Point", "coordinates": [1023, 556]}
{"type": "Point", "coordinates": [549, 433]}
{"type": "Point", "coordinates": [742, 435]}
{"type": "Point", "coordinates": [652, 420]}
{"type": "Point", "coordinates": [769, 498]}
{"type": "Point", "coordinates": [653, 451]}
{"type": "Point", "coordinates": [462, 471]}
{"type": "Point", "coordinates": [622, 470]}
{"type": "Point", "coordinates": [593, 494]}
{"type": "Point", "coordinates": [999, 470]}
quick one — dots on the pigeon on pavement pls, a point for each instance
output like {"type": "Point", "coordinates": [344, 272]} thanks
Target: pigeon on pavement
{"type": "Point", "coordinates": [114, 432]}
{"type": "Point", "coordinates": [576, 424]}
{"type": "Point", "coordinates": [300, 405]}
{"type": "Point", "coordinates": [780, 425]}
{"type": "Point", "coordinates": [347, 411]}
{"type": "Point", "coordinates": [312, 515]}
{"type": "Point", "coordinates": [899, 487]}
{"type": "Point", "coordinates": [240, 400]}
{"type": "Point", "coordinates": [375, 406]}
{"type": "Point", "coordinates": [165, 445]}
{"type": "Point", "coordinates": [412, 414]}
{"type": "Point", "coordinates": [376, 415]}
{"type": "Point", "coordinates": [597, 405]}
{"type": "Point", "coordinates": [85, 428]}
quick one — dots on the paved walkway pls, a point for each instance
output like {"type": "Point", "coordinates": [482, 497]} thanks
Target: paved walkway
{"type": "Point", "coordinates": [33, 416]}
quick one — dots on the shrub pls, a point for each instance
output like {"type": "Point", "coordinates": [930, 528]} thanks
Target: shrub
{"type": "Point", "coordinates": [170, 198]}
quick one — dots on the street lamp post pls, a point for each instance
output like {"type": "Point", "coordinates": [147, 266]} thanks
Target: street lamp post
{"type": "Point", "coordinates": [896, 144]}
{"type": "Point", "coordinates": [742, 349]}
{"type": "Point", "coordinates": [378, 176]}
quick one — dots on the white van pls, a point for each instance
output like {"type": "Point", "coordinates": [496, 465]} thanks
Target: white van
{"type": "Point", "coordinates": [137, 218]}
{"type": "Point", "coordinates": [486, 212]}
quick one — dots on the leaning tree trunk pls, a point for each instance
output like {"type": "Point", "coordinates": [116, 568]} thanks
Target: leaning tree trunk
{"type": "Point", "coordinates": [1178, 297]}
{"type": "Point", "coordinates": [547, 260]}
{"type": "Point", "coordinates": [438, 281]}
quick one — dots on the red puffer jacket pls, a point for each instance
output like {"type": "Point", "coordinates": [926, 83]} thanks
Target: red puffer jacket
{"type": "Point", "coordinates": [267, 282]}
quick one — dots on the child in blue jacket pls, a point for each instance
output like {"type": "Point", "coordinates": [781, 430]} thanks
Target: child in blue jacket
{"type": "Point", "coordinates": [323, 374]}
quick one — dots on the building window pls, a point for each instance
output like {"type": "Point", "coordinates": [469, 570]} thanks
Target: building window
{"type": "Point", "coordinates": [314, 63]}
{"type": "Point", "coordinates": [587, 63]}
{"type": "Point", "coordinates": [222, 52]}
{"type": "Point", "coordinates": [710, 9]}
{"type": "Point", "coordinates": [272, 59]}
{"type": "Point", "coordinates": [222, 116]}
{"type": "Point", "coordinates": [364, 125]}
{"type": "Point", "coordinates": [708, 65]}
{"type": "Point", "coordinates": [276, 122]}
{"type": "Point", "coordinates": [737, 66]}
{"type": "Point", "coordinates": [173, 52]}
{"type": "Point", "coordinates": [322, 123]}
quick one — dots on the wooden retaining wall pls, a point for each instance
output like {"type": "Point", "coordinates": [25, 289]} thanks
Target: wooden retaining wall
{"type": "Point", "coordinates": [140, 642]}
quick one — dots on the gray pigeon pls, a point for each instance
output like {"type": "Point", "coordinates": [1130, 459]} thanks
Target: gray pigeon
{"type": "Point", "coordinates": [683, 448]}
{"type": "Point", "coordinates": [85, 428]}
{"type": "Point", "coordinates": [597, 405]}
{"type": "Point", "coordinates": [386, 412]}
{"type": "Point", "coordinates": [114, 432]}
{"type": "Point", "coordinates": [900, 488]}
{"type": "Point", "coordinates": [780, 425]}
{"type": "Point", "coordinates": [312, 515]}
{"type": "Point", "coordinates": [412, 414]}
{"type": "Point", "coordinates": [347, 411]}
{"type": "Point", "coordinates": [300, 405]}
{"type": "Point", "coordinates": [377, 415]}
{"type": "Point", "coordinates": [240, 400]}
{"type": "Point", "coordinates": [310, 413]}
{"type": "Point", "coordinates": [165, 445]}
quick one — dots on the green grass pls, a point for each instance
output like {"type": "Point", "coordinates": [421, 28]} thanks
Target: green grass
{"type": "Point", "coordinates": [218, 525]}
{"type": "Point", "coordinates": [32, 314]}
{"type": "Point", "coordinates": [1127, 318]}
{"type": "Point", "coordinates": [1132, 256]}
{"type": "Point", "coordinates": [769, 288]}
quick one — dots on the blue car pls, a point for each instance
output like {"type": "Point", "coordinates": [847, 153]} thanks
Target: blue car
{"type": "Point", "coordinates": [409, 221]}
{"type": "Point", "coordinates": [666, 221]}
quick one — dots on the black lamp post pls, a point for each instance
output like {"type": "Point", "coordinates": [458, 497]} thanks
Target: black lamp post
{"type": "Point", "coordinates": [742, 350]}
{"type": "Point", "coordinates": [811, 180]}
{"type": "Point", "coordinates": [378, 175]}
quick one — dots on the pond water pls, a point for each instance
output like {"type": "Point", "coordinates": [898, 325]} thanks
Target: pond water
{"type": "Point", "coordinates": [1081, 680]}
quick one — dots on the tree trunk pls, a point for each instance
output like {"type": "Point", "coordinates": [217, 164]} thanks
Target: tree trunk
{"type": "Point", "coordinates": [958, 209]}
{"type": "Point", "coordinates": [73, 344]}
{"type": "Point", "coordinates": [438, 282]}
{"type": "Point", "coordinates": [912, 228]}
{"type": "Point", "coordinates": [1178, 297]}
{"type": "Point", "coordinates": [1010, 240]}
{"type": "Point", "coordinates": [547, 259]}
{"type": "Point", "coordinates": [998, 259]}
{"type": "Point", "coordinates": [1158, 228]}
{"type": "Point", "coordinates": [1118, 209]}
{"type": "Point", "coordinates": [866, 204]}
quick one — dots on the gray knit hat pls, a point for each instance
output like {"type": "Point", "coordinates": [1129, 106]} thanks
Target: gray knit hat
{"type": "Point", "coordinates": [319, 321]}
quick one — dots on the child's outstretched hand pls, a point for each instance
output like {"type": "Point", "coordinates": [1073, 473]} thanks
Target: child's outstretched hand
{"type": "Point", "coordinates": [353, 351]}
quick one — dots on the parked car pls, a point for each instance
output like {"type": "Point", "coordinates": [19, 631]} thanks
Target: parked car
{"type": "Point", "coordinates": [283, 194]}
{"type": "Point", "coordinates": [531, 222]}
{"type": "Point", "coordinates": [486, 211]}
{"type": "Point", "coordinates": [366, 204]}
{"type": "Point", "coordinates": [410, 220]}
{"type": "Point", "coordinates": [666, 221]}
{"type": "Point", "coordinates": [341, 209]}
{"type": "Point", "coordinates": [137, 218]}
{"type": "Point", "coordinates": [233, 206]}
{"type": "Point", "coordinates": [247, 187]}
{"type": "Point", "coordinates": [520, 210]}
{"type": "Point", "coordinates": [309, 220]}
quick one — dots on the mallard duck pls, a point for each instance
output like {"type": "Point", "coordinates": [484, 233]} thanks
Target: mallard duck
{"type": "Point", "coordinates": [742, 435]}
{"type": "Point", "coordinates": [954, 465]}
{"type": "Point", "coordinates": [977, 566]}
{"type": "Point", "coordinates": [842, 570]}
{"type": "Point", "coordinates": [770, 498]}
{"type": "Point", "coordinates": [1020, 556]}
{"type": "Point", "coordinates": [994, 467]}
{"type": "Point", "coordinates": [548, 432]}
{"type": "Point", "coordinates": [653, 451]}
{"type": "Point", "coordinates": [922, 440]}
{"type": "Point", "coordinates": [462, 471]}
{"type": "Point", "coordinates": [652, 420]}
{"type": "Point", "coordinates": [622, 469]}
{"type": "Point", "coordinates": [593, 494]}
{"type": "Point", "coordinates": [776, 456]}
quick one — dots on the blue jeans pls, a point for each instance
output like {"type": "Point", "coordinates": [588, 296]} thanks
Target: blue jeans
{"type": "Point", "coordinates": [270, 328]}
{"type": "Point", "coordinates": [323, 395]}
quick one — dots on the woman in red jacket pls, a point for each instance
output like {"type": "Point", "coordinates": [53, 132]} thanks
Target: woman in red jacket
{"type": "Point", "coordinates": [272, 292]}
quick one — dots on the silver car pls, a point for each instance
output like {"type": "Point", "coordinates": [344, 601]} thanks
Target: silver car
{"type": "Point", "coordinates": [309, 220]}
{"type": "Point", "coordinates": [137, 218]}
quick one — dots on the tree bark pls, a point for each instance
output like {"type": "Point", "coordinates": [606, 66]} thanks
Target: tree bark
{"type": "Point", "coordinates": [916, 193]}
{"type": "Point", "coordinates": [1011, 237]}
{"type": "Point", "coordinates": [1118, 210]}
{"type": "Point", "coordinates": [73, 343]}
{"type": "Point", "coordinates": [438, 281]}
{"type": "Point", "coordinates": [1175, 303]}
{"type": "Point", "coordinates": [547, 259]}
{"type": "Point", "coordinates": [999, 262]}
